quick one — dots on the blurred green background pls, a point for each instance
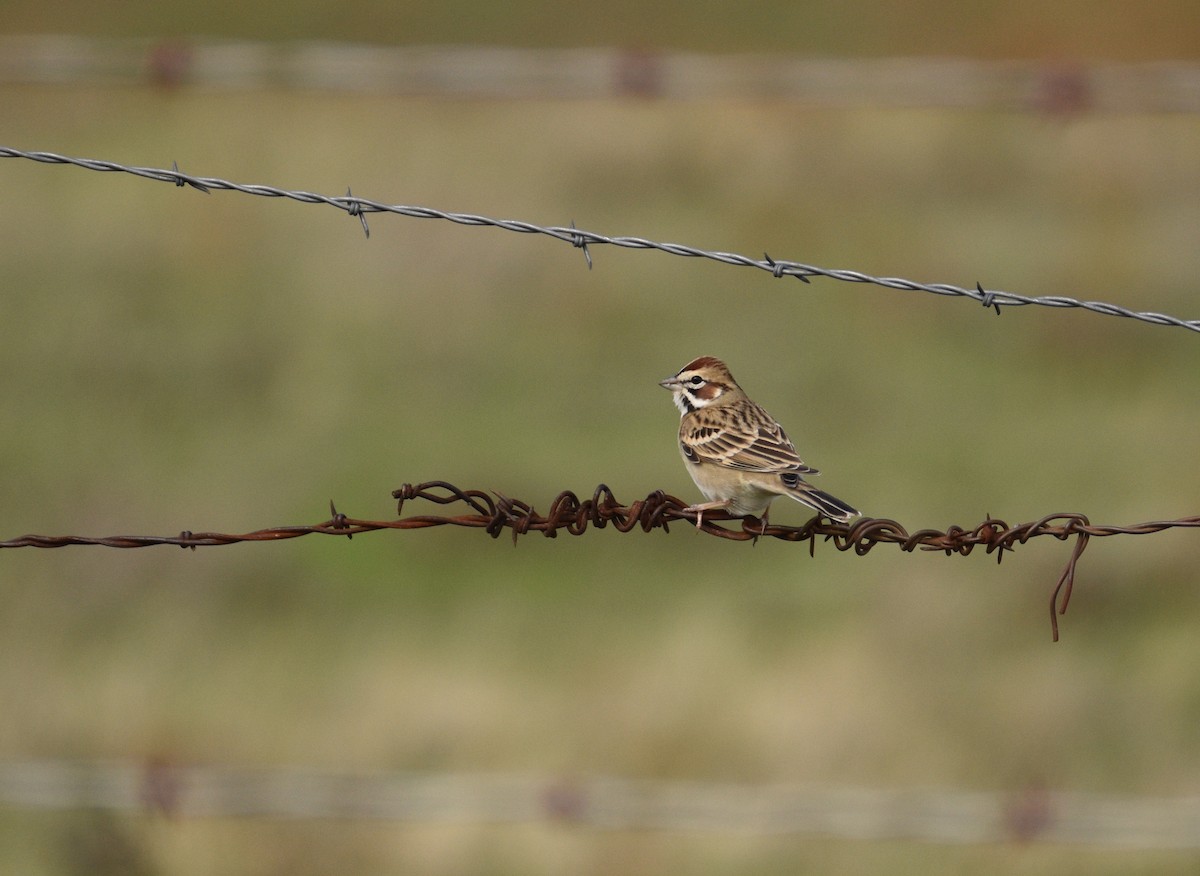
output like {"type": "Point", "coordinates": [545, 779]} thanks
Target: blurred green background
{"type": "Point", "coordinates": [170, 361]}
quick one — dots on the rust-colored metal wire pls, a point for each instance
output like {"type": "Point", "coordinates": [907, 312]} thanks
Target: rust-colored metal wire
{"type": "Point", "coordinates": [496, 513]}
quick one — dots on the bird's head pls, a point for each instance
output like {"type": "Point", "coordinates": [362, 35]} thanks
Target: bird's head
{"type": "Point", "coordinates": [700, 383]}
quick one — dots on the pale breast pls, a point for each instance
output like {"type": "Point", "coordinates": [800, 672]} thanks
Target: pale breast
{"type": "Point", "coordinates": [719, 484]}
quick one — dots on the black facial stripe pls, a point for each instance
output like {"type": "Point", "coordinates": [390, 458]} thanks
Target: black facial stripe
{"type": "Point", "coordinates": [687, 402]}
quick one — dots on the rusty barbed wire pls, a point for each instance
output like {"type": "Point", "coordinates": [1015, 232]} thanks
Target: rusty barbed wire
{"type": "Point", "coordinates": [577, 237]}
{"type": "Point", "coordinates": [495, 513]}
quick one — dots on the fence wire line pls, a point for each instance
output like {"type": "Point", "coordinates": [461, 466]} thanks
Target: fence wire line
{"type": "Point", "coordinates": [1054, 87]}
{"type": "Point", "coordinates": [1028, 814]}
{"type": "Point", "coordinates": [496, 513]}
{"type": "Point", "coordinates": [582, 239]}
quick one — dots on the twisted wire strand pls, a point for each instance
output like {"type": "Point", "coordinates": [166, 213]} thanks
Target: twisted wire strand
{"type": "Point", "coordinates": [495, 513]}
{"type": "Point", "coordinates": [577, 237]}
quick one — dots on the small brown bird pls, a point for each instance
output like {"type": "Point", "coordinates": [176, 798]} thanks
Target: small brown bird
{"type": "Point", "coordinates": [734, 450]}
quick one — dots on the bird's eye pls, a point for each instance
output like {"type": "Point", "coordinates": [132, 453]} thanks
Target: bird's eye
{"type": "Point", "coordinates": [697, 380]}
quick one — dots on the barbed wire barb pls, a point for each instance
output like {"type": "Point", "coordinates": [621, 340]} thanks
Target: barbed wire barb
{"type": "Point", "coordinates": [354, 208]}
{"type": "Point", "coordinates": [494, 512]}
{"type": "Point", "coordinates": [987, 298]}
{"type": "Point", "coordinates": [580, 242]}
{"type": "Point", "coordinates": [781, 269]}
{"type": "Point", "coordinates": [181, 180]}
{"type": "Point", "coordinates": [582, 239]}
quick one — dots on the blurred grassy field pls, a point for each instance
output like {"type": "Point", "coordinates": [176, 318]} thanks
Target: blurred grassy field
{"type": "Point", "coordinates": [170, 360]}
{"type": "Point", "coordinates": [858, 28]}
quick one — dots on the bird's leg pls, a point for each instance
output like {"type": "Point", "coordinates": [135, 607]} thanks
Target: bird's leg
{"type": "Point", "coordinates": [766, 515]}
{"type": "Point", "coordinates": [762, 525]}
{"type": "Point", "coordinates": [706, 506]}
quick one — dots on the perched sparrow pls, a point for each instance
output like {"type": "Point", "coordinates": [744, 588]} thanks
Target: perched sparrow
{"type": "Point", "coordinates": [736, 453]}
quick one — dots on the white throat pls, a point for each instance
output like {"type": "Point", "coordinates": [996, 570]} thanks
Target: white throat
{"type": "Point", "coordinates": [687, 402]}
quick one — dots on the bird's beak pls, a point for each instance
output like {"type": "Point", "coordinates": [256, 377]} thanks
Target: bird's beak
{"type": "Point", "coordinates": [670, 383]}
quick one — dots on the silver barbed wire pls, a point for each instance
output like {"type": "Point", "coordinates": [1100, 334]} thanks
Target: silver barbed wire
{"type": "Point", "coordinates": [577, 237]}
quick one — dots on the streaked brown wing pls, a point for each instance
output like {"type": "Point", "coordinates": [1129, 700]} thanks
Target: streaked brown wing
{"type": "Point", "coordinates": [744, 437]}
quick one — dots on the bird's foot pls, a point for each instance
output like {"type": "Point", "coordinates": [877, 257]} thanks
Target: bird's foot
{"type": "Point", "coordinates": [699, 510]}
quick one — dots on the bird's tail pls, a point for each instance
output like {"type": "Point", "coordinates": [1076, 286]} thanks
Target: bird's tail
{"type": "Point", "coordinates": [820, 501]}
